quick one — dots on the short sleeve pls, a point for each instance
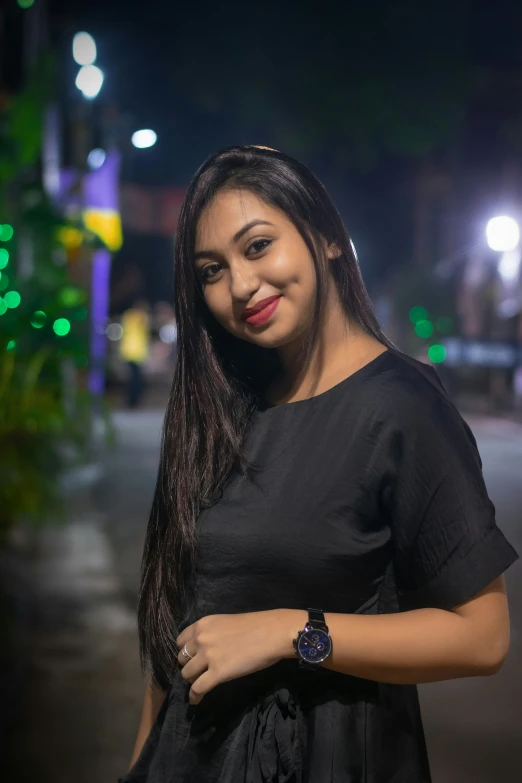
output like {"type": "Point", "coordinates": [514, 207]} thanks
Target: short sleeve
{"type": "Point", "coordinates": [446, 543]}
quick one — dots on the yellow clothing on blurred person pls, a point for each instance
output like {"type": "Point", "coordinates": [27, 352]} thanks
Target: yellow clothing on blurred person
{"type": "Point", "coordinates": [134, 343]}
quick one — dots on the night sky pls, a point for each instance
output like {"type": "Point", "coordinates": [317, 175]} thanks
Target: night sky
{"type": "Point", "coordinates": [206, 75]}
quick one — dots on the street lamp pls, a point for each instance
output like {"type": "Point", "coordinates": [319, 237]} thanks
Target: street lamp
{"type": "Point", "coordinates": [502, 234]}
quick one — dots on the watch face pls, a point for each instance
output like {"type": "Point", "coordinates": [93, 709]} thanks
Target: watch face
{"type": "Point", "coordinates": [314, 646]}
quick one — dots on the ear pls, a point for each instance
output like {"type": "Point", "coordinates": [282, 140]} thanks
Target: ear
{"type": "Point", "coordinates": [333, 251]}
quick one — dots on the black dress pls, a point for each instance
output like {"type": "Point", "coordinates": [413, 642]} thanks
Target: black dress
{"type": "Point", "coordinates": [370, 498]}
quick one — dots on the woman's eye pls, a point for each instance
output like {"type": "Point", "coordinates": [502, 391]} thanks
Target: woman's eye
{"type": "Point", "coordinates": [206, 273]}
{"type": "Point", "coordinates": [259, 245]}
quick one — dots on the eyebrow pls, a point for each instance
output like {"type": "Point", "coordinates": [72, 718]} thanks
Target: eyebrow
{"type": "Point", "coordinates": [237, 236]}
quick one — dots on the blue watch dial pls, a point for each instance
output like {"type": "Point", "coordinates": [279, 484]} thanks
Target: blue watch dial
{"type": "Point", "coordinates": [314, 645]}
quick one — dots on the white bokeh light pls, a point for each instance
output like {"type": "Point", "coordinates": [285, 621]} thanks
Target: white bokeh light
{"type": "Point", "coordinates": [502, 233]}
{"type": "Point", "coordinates": [168, 333]}
{"type": "Point", "coordinates": [84, 49]}
{"type": "Point", "coordinates": [114, 331]}
{"type": "Point", "coordinates": [96, 158]}
{"type": "Point", "coordinates": [144, 138]}
{"type": "Point", "coordinates": [509, 265]}
{"type": "Point", "coordinates": [89, 80]}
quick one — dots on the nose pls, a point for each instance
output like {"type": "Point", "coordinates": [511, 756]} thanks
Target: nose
{"type": "Point", "coordinates": [244, 282]}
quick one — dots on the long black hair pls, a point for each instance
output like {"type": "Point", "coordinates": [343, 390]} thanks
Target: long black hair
{"type": "Point", "coordinates": [219, 379]}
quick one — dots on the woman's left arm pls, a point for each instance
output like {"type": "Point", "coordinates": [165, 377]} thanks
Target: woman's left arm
{"type": "Point", "coordinates": [418, 646]}
{"type": "Point", "coordinates": [424, 645]}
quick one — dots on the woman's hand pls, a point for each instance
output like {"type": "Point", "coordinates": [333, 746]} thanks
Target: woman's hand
{"type": "Point", "coordinates": [227, 646]}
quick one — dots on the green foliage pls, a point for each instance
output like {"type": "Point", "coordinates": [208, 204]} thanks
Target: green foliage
{"type": "Point", "coordinates": [21, 123]}
{"type": "Point", "coordinates": [38, 438]}
{"type": "Point", "coordinates": [44, 420]}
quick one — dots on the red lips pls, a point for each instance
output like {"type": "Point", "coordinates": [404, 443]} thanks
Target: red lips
{"type": "Point", "coordinates": [259, 306]}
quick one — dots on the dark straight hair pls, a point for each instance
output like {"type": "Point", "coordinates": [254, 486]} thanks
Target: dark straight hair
{"type": "Point", "coordinates": [219, 380]}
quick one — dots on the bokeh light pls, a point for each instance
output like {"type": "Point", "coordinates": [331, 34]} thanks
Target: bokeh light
{"type": "Point", "coordinates": [418, 314]}
{"type": "Point", "coordinates": [4, 258]}
{"type": "Point", "coordinates": [6, 232]}
{"type": "Point", "coordinates": [38, 319]}
{"type": "Point", "coordinates": [502, 233]}
{"type": "Point", "coordinates": [144, 138]}
{"type": "Point", "coordinates": [96, 158]}
{"type": "Point", "coordinates": [84, 49]}
{"type": "Point", "coordinates": [424, 328]}
{"type": "Point", "coordinates": [3, 306]}
{"type": "Point", "coordinates": [70, 296]}
{"type": "Point", "coordinates": [114, 331]}
{"type": "Point", "coordinates": [168, 333]}
{"type": "Point", "coordinates": [62, 327]}
{"type": "Point", "coordinates": [436, 353]}
{"type": "Point", "coordinates": [11, 345]}
{"type": "Point", "coordinates": [25, 3]}
{"type": "Point", "coordinates": [89, 80]}
{"type": "Point", "coordinates": [12, 299]}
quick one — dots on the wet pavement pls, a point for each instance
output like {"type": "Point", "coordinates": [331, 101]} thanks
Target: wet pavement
{"type": "Point", "coordinates": [85, 688]}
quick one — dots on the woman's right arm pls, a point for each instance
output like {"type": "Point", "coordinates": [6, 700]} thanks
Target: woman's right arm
{"type": "Point", "coordinates": [152, 703]}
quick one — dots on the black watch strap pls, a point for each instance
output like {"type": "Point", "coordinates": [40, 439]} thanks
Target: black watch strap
{"type": "Point", "coordinates": [317, 619]}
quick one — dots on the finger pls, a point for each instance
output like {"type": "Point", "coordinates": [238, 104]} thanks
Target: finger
{"type": "Point", "coordinates": [185, 635]}
{"type": "Point", "coordinates": [201, 686]}
{"type": "Point", "coordinates": [182, 660]}
{"type": "Point", "coordinates": [194, 668]}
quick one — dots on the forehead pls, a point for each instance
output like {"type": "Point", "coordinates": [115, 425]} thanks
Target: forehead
{"type": "Point", "coordinates": [229, 211]}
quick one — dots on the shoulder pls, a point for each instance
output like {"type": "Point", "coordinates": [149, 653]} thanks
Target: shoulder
{"type": "Point", "coordinates": [408, 395]}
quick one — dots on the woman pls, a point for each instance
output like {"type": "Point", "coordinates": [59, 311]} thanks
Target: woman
{"type": "Point", "coordinates": [321, 539]}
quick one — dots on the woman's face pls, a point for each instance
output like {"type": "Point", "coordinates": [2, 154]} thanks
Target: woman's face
{"type": "Point", "coordinates": [247, 251]}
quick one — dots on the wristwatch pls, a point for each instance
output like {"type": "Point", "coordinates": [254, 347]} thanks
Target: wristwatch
{"type": "Point", "coordinates": [314, 643]}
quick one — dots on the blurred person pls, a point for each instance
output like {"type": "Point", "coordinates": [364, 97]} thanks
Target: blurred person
{"type": "Point", "coordinates": [321, 539]}
{"type": "Point", "coordinates": [134, 348]}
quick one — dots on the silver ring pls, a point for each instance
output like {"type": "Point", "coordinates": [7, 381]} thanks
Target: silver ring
{"type": "Point", "coordinates": [185, 653]}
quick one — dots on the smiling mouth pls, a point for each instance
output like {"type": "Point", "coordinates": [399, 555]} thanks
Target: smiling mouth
{"type": "Point", "coordinates": [249, 312]}
{"type": "Point", "coordinates": [260, 317]}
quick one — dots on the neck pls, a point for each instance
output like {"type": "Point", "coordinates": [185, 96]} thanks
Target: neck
{"type": "Point", "coordinates": [341, 349]}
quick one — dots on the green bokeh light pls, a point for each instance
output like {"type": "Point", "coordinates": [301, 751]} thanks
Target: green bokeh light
{"type": "Point", "coordinates": [6, 232]}
{"type": "Point", "coordinates": [38, 319]}
{"type": "Point", "coordinates": [71, 297]}
{"type": "Point", "coordinates": [11, 345]}
{"type": "Point", "coordinates": [424, 328]}
{"type": "Point", "coordinates": [418, 314]}
{"type": "Point", "coordinates": [62, 327]}
{"type": "Point", "coordinates": [4, 281]}
{"type": "Point", "coordinates": [3, 306]}
{"type": "Point", "coordinates": [4, 258]}
{"type": "Point", "coordinates": [12, 299]}
{"type": "Point", "coordinates": [436, 353]}
{"type": "Point", "coordinates": [25, 3]}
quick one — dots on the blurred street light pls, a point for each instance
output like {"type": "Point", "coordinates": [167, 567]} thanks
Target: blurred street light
{"type": "Point", "coordinates": [96, 158]}
{"type": "Point", "coordinates": [502, 233]}
{"type": "Point", "coordinates": [144, 138]}
{"type": "Point", "coordinates": [84, 49]}
{"type": "Point", "coordinates": [89, 80]}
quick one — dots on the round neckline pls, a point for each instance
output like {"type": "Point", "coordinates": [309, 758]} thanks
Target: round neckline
{"type": "Point", "coordinates": [265, 405]}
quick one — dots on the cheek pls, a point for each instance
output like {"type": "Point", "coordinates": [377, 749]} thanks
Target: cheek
{"type": "Point", "coordinates": [220, 305]}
